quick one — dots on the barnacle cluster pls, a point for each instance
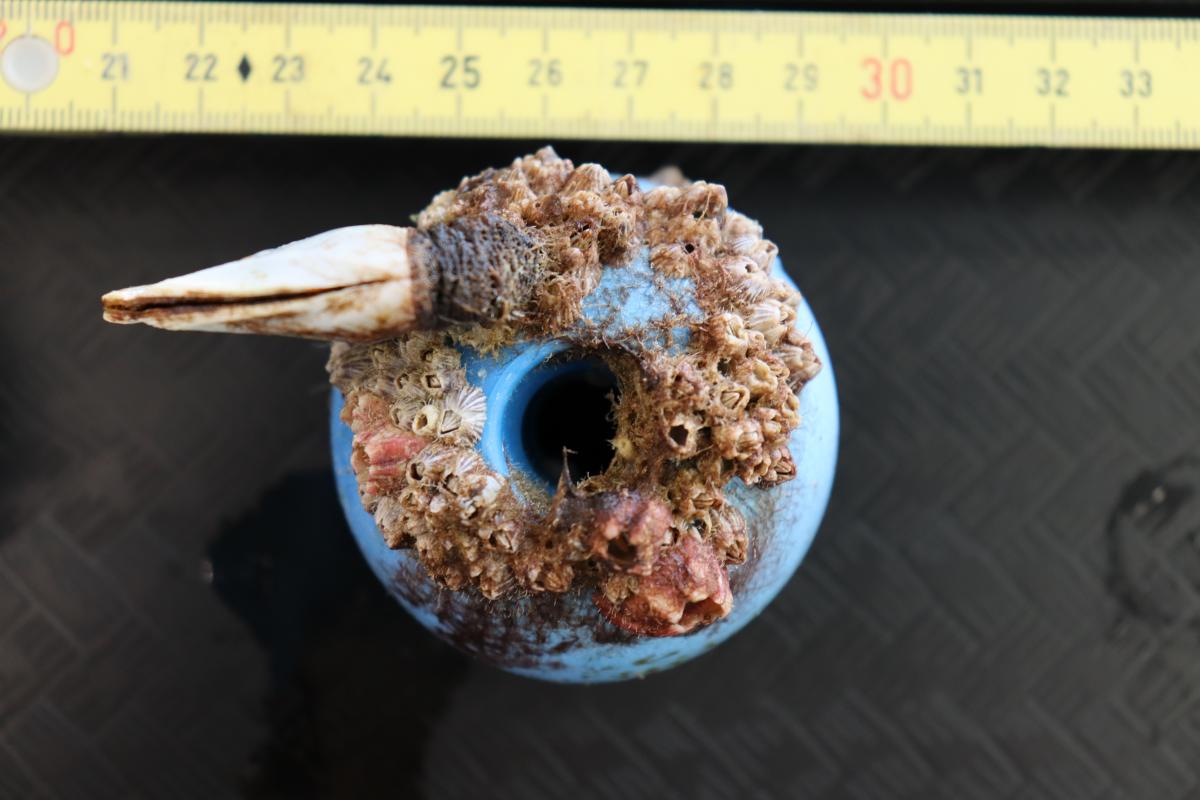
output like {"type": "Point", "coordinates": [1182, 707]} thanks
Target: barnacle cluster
{"type": "Point", "coordinates": [415, 420]}
{"type": "Point", "coordinates": [722, 408]}
{"type": "Point", "coordinates": [584, 218]}
{"type": "Point", "coordinates": [653, 534]}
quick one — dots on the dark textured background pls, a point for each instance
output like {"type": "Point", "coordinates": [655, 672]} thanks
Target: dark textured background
{"type": "Point", "coordinates": [1004, 601]}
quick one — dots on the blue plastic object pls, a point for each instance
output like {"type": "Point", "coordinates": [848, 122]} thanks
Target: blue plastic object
{"type": "Point", "coordinates": [562, 637]}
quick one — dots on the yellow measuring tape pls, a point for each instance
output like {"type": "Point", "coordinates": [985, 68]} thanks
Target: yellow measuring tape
{"type": "Point", "coordinates": [586, 73]}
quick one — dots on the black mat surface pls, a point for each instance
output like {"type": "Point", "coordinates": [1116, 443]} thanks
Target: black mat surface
{"type": "Point", "coordinates": [1004, 601]}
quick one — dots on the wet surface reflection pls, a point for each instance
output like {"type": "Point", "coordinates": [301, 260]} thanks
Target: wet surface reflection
{"type": "Point", "coordinates": [1154, 549]}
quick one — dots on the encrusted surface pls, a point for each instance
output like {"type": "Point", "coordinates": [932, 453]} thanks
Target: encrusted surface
{"type": "Point", "coordinates": [653, 534]}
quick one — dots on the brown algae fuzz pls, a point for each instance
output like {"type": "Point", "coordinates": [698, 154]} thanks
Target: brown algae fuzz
{"type": "Point", "coordinates": [652, 536]}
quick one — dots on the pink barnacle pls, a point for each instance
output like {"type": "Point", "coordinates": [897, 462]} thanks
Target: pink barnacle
{"type": "Point", "coordinates": [687, 588]}
{"type": "Point", "coordinates": [628, 529]}
{"type": "Point", "coordinates": [381, 449]}
{"type": "Point", "coordinates": [389, 451]}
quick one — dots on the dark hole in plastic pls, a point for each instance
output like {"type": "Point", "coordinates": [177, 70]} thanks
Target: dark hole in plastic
{"type": "Point", "coordinates": [571, 410]}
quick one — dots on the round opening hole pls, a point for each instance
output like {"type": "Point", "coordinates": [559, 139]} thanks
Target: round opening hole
{"type": "Point", "coordinates": [571, 408]}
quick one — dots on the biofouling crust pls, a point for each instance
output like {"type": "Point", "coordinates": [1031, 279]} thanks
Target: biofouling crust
{"type": "Point", "coordinates": [652, 535]}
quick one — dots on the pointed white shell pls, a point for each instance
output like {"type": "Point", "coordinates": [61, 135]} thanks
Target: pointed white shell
{"type": "Point", "coordinates": [355, 283]}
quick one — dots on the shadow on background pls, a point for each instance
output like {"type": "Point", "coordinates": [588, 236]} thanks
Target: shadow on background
{"type": "Point", "coordinates": [355, 682]}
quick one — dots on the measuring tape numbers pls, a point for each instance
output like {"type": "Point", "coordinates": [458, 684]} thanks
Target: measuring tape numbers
{"type": "Point", "coordinates": [599, 74]}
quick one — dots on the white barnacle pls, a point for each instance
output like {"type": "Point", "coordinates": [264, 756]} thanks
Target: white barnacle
{"type": "Point", "coordinates": [761, 378]}
{"type": "Point", "coordinates": [670, 258]}
{"type": "Point", "coordinates": [450, 424]}
{"type": "Point", "coordinates": [769, 422]}
{"type": "Point", "coordinates": [466, 462]}
{"type": "Point", "coordinates": [680, 432]}
{"type": "Point", "coordinates": [440, 461]}
{"type": "Point", "coordinates": [387, 357]}
{"type": "Point", "coordinates": [427, 421]}
{"type": "Point", "coordinates": [746, 277]}
{"type": "Point", "coordinates": [737, 267]}
{"type": "Point", "coordinates": [756, 285]}
{"type": "Point", "coordinates": [801, 361]}
{"type": "Point", "coordinates": [349, 365]}
{"type": "Point", "coordinates": [424, 350]}
{"type": "Point", "coordinates": [432, 382]}
{"type": "Point", "coordinates": [489, 488]}
{"type": "Point", "coordinates": [744, 245]}
{"type": "Point", "coordinates": [740, 231]}
{"type": "Point", "coordinates": [730, 334]}
{"type": "Point", "coordinates": [789, 412]}
{"type": "Point", "coordinates": [767, 317]}
{"type": "Point", "coordinates": [732, 397]}
{"type": "Point", "coordinates": [748, 441]}
{"type": "Point", "coordinates": [764, 253]}
{"type": "Point", "coordinates": [468, 407]}
{"type": "Point", "coordinates": [407, 401]}
{"type": "Point", "coordinates": [587, 178]}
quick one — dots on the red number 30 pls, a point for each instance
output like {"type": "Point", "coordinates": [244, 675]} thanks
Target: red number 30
{"type": "Point", "coordinates": [899, 79]}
